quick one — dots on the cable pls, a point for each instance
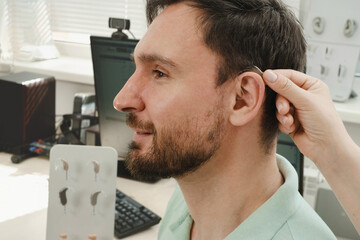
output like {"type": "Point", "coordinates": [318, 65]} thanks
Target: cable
{"type": "Point", "coordinates": [131, 34]}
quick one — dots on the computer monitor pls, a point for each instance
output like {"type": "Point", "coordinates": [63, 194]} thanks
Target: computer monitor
{"type": "Point", "coordinates": [287, 148]}
{"type": "Point", "coordinates": [112, 68]}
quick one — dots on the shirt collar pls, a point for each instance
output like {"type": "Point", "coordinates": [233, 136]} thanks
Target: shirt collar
{"type": "Point", "coordinates": [273, 214]}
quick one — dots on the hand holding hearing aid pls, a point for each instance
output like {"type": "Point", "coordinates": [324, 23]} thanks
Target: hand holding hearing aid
{"type": "Point", "coordinates": [306, 112]}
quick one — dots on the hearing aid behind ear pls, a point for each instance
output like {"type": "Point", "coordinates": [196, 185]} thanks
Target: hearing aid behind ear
{"type": "Point", "coordinates": [257, 70]}
{"type": "Point", "coordinates": [254, 69]}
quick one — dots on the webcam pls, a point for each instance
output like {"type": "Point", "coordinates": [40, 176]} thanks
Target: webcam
{"type": "Point", "coordinates": [119, 24]}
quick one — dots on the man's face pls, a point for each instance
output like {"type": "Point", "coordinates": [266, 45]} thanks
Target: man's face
{"type": "Point", "coordinates": [174, 106]}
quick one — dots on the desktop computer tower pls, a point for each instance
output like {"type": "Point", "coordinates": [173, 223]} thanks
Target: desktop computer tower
{"type": "Point", "coordinates": [27, 110]}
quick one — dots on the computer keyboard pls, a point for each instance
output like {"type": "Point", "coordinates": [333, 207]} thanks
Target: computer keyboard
{"type": "Point", "coordinates": [131, 217]}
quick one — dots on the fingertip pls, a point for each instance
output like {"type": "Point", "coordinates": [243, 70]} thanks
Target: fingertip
{"type": "Point", "coordinates": [287, 129]}
{"type": "Point", "coordinates": [286, 120]}
{"type": "Point", "coordinates": [284, 87]}
{"type": "Point", "coordinates": [282, 105]}
{"type": "Point", "coordinates": [279, 107]}
{"type": "Point", "coordinates": [270, 76]}
{"type": "Point", "coordinates": [290, 121]}
{"type": "Point", "coordinates": [283, 129]}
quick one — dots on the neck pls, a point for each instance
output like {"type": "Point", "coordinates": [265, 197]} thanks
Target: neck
{"type": "Point", "coordinates": [228, 188]}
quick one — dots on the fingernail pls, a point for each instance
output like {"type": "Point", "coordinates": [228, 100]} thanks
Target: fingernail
{"type": "Point", "coordinates": [284, 119]}
{"type": "Point", "coordinates": [270, 76]}
{"type": "Point", "coordinates": [279, 107]}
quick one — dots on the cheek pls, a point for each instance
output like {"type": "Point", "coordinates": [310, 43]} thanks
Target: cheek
{"type": "Point", "coordinates": [170, 104]}
{"type": "Point", "coordinates": [178, 108]}
{"type": "Point", "coordinates": [161, 104]}
{"type": "Point", "coordinates": [166, 99]}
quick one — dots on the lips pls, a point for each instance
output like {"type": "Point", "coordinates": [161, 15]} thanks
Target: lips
{"type": "Point", "coordinates": [142, 132]}
{"type": "Point", "coordinates": [142, 135]}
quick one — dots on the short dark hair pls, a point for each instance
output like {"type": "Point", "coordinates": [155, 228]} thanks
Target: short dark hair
{"type": "Point", "coordinates": [245, 33]}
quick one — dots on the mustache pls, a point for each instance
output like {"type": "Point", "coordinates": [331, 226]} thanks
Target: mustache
{"type": "Point", "coordinates": [133, 121]}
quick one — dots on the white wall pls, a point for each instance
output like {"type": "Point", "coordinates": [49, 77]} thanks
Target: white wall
{"type": "Point", "coordinates": [294, 5]}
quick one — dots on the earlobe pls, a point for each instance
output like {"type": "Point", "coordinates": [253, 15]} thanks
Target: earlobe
{"type": "Point", "coordinates": [248, 98]}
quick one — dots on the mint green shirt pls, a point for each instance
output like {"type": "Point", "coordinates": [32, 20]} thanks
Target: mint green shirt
{"type": "Point", "coordinates": [284, 216]}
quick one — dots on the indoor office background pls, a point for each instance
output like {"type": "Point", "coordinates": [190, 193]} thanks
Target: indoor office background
{"type": "Point", "coordinates": [52, 37]}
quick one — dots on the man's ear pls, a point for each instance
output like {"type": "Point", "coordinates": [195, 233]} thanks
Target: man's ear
{"type": "Point", "coordinates": [248, 97]}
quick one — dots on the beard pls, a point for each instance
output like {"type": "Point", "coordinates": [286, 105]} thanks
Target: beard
{"type": "Point", "coordinates": [176, 150]}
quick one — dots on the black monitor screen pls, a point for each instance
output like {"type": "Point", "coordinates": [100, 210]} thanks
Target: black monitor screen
{"type": "Point", "coordinates": [112, 66]}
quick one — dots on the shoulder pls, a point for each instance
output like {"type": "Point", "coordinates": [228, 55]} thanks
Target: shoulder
{"type": "Point", "coordinates": [305, 223]}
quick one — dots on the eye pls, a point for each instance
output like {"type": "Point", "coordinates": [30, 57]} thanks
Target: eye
{"type": "Point", "coordinates": [159, 74]}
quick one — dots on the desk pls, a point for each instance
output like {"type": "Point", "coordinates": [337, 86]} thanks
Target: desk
{"type": "Point", "coordinates": [24, 198]}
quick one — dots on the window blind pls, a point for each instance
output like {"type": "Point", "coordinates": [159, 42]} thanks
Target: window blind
{"type": "Point", "coordinates": [90, 17]}
{"type": "Point", "coordinates": [26, 25]}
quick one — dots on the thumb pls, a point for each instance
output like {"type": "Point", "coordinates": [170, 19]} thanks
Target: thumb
{"type": "Point", "coordinates": [286, 87]}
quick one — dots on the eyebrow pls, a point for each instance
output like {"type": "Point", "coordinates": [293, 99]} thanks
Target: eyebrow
{"type": "Point", "coordinates": [148, 58]}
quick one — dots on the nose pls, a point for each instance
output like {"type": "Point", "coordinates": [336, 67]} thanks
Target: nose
{"type": "Point", "coordinates": [129, 98]}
